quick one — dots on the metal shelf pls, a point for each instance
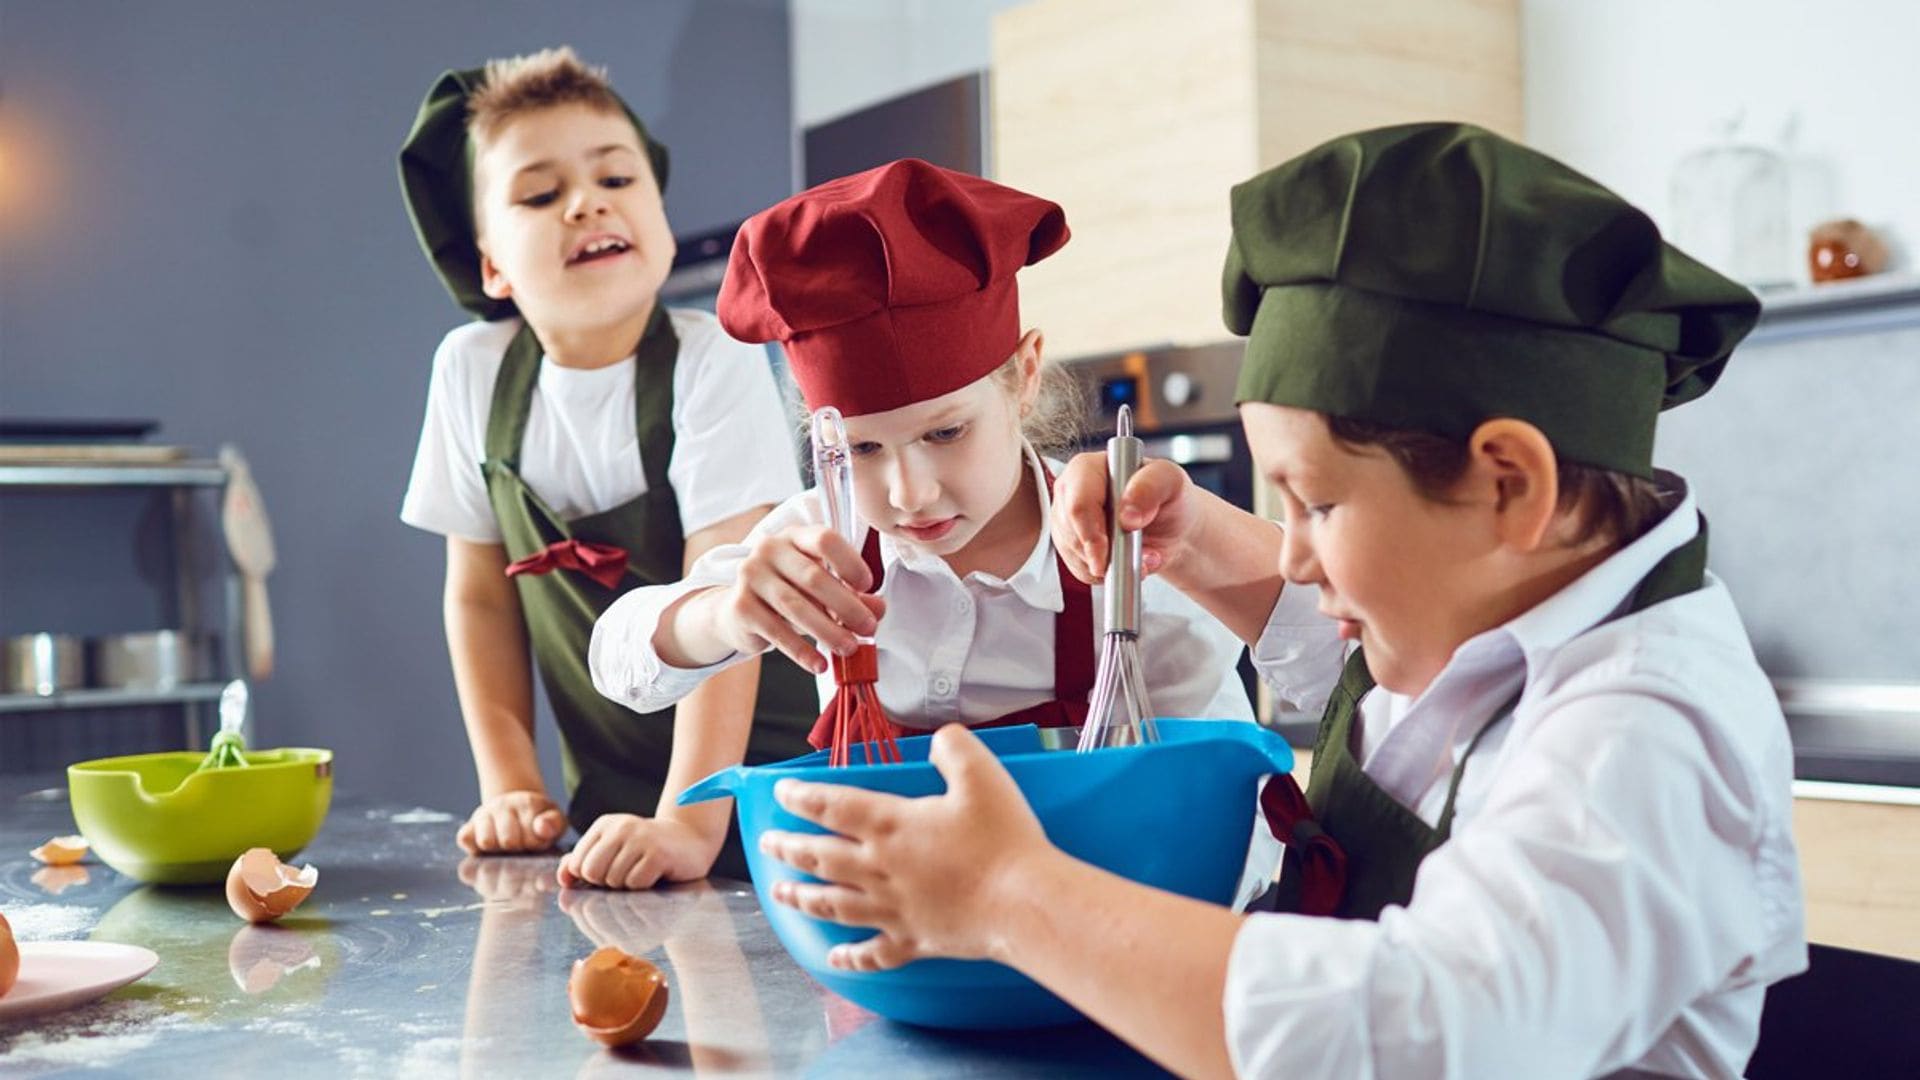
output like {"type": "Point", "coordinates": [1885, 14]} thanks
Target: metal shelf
{"type": "Point", "coordinates": [1873, 304]}
{"type": "Point", "coordinates": [184, 693]}
{"type": "Point", "coordinates": [84, 474]}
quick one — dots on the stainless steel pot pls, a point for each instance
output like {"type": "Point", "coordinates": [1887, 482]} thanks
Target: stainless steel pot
{"type": "Point", "coordinates": [151, 660]}
{"type": "Point", "coordinates": [44, 664]}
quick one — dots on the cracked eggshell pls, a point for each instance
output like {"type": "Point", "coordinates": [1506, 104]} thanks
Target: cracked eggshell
{"type": "Point", "coordinates": [616, 998]}
{"type": "Point", "coordinates": [9, 957]}
{"type": "Point", "coordinates": [61, 850]}
{"type": "Point", "coordinates": [261, 888]}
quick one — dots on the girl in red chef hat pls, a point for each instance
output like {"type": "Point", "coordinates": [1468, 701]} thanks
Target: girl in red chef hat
{"type": "Point", "coordinates": [893, 293]}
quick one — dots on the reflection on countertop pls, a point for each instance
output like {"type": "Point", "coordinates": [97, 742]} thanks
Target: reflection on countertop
{"type": "Point", "coordinates": [410, 960]}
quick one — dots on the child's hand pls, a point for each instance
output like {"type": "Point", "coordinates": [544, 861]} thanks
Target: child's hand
{"type": "Point", "coordinates": [928, 873]}
{"type": "Point", "coordinates": [1156, 502]}
{"type": "Point", "coordinates": [627, 851]}
{"type": "Point", "coordinates": [512, 821]}
{"type": "Point", "coordinates": [802, 582]}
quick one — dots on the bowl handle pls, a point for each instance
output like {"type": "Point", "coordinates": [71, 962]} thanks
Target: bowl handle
{"type": "Point", "coordinates": [718, 786]}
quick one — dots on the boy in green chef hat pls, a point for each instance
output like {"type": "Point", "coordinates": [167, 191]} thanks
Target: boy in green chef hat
{"type": "Point", "coordinates": [581, 440]}
{"type": "Point", "coordinates": [1547, 830]}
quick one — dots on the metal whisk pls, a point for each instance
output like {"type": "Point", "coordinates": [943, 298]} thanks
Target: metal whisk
{"type": "Point", "coordinates": [1118, 713]}
{"type": "Point", "coordinates": [855, 711]}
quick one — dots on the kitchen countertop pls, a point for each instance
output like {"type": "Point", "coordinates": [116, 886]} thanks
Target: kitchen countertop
{"type": "Point", "coordinates": [409, 959]}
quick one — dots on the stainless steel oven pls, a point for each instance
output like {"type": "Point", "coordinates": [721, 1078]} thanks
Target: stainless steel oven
{"type": "Point", "coordinates": [1182, 400]}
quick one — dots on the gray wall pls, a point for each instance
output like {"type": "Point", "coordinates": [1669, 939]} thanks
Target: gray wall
{"type": "Point", "coordinates": [223, 247]}
{"type": "Point", "coordinates": [1805, 461]}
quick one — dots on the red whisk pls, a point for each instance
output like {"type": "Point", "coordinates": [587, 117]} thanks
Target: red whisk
{"type": "Point", "coordinates": [855, 712]}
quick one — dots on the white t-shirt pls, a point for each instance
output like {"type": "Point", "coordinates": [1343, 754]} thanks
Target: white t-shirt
{"type": "Point", "coordinates": [733, 443]}
{"type": "Point", "coordinates": [1620, 884]}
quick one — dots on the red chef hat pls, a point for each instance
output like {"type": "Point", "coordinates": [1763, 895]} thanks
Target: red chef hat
{"type": "Point", "coordinates": [890, 286]}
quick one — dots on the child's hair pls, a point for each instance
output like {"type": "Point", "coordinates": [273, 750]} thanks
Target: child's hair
{"type": "Point", "coordinates": [1057, 421]}
{"type": "Point", "coordinates": [1055, 425]}
{"type": "Point", "coordinates": [518, 85]}
{"type": "Point", "coordinates": [1609, 504]}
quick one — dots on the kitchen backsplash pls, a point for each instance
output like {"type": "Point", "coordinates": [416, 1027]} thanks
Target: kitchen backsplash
{"type": "Point", "coordinates": [1807, 465]}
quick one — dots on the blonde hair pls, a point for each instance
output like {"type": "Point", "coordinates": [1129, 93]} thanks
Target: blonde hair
{"type": "Point", "coordinates": [518, 85]}
{"type": "Point", "coordinates": [1055, 424]}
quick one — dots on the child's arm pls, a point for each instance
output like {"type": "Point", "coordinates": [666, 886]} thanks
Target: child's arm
{"type": "Point", "coordinates": [1225, 558]}
{"type": "Point", "coordinates": [679, 843]}
{"type": "Point", "coordinates": [494, 678]}
{"type": "Point", "coordinates": [798, 583]}
{"type": "Point", "coordinates": [971, 875]}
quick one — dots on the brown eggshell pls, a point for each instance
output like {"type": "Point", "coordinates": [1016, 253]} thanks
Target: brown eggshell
{"type": "Point", "coordinates": [261, 888]}
{"type": "Point", "coordinates": [61, 850]}
{"type": "Point", "coordinates": [617, 998]}
{"type": "Point", "coordinates": [9, 957]}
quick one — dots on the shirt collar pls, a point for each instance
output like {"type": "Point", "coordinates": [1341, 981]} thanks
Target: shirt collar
{"type": "Point", "coordinates": [1603, 590]}
{"type": "Point", "coordinates": [1037, 582]}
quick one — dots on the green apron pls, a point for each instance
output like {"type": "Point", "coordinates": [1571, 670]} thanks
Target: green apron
{"type": "Point", "coordinates": [1383, 841]}
{"type": "Point", "coordinates": [614, 759]}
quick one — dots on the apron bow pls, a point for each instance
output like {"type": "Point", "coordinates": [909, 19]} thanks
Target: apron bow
{"type": "Point", "coordinates": [603, 563]}
{"type": "Point", "coordinates": [1319, 858]}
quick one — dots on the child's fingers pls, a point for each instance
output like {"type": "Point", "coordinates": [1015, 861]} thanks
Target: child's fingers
{"type": "Point", "coordinates": [831, 548]}
{"type": "Point", "coordinates": [802, 613]}
{"type": "Point", "coordinates": [549, 824]}
{"type": "Point", "coordinates": [466, 839]}
{"type": "Point", "coordinates": [768, 625]}
{"type": "Point", "coordinates": [881, 952]}
{"type": "Point", "coordinates": [969, 768]}
{"type": "Point", "coordinates": [591, 856]}
{"type": "Point", "coordinates": [834, 903]}
{"type": "Point", "coordinates": [628, 854]}
{"type": "Point", "coordinates": [829, 858]}
{"type": "Point", "coordinates": [644, 874]}
{"type": "Point", "coordinates": [1156, 484]}
{"type": "Point", "coordinates": [790, 621]}
{"type": "Point", "coordinates": [1079, 518]}
{"type": "Point", "coordinates": [813, 576]}
{"type": "Point", "coordinates": [852, 812]}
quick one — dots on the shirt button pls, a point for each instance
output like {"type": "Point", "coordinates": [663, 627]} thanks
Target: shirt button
{"type": "Point", "coordinates": [963, 605]}
{"type": "Point", "coordinates": [942, 685]}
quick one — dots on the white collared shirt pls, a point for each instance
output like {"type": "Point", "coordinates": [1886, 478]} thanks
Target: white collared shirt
{"type": "Point", "coordinates": [1620, 885]}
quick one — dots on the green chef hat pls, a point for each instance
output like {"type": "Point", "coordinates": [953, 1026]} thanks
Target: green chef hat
{"type": "Point", "coordinates": [436, 176]}
{"type": "Point", "coordinates": [1433, 276]}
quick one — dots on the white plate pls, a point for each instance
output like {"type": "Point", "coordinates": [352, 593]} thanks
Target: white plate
{"type": "Point", "coordinates": [57, 975]}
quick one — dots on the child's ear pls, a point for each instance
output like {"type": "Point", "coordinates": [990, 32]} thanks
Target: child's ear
{"type": "Point", "coordinates": [1516, 462]}
{"type": "Point", "coordinates": [1029, 352]}
{"type": "Point", "coordinates": [492, 281]}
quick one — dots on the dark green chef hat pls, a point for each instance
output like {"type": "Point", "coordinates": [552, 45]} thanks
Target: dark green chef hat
{"type": "Point", "coordinates": [1434, 276]}
{"type": "Point", "coordinates": [436, 176]}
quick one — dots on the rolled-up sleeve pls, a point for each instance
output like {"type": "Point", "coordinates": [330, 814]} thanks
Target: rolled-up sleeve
{"type": "Point", "coordinates": [1299, 654]}
{"type": "Point", "coordinates": [621, 656]}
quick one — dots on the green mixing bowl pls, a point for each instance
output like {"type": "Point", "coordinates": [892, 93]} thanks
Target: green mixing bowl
{"type": "Point", "coordinates": [153, 818]}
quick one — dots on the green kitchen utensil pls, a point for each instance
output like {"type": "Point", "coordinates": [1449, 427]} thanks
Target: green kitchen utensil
{"type": "Point", "coordinates": [230, 743]}
{"type": "Point", "coordinates": [162, 818]}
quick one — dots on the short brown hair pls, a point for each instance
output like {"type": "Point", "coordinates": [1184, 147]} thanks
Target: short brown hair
{"type": "Point", "coordinates": [1614, 505]}
{"type": "Point", "coordinates": [519, 85]}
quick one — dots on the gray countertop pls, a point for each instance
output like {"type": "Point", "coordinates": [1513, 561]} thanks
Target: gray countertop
{"type": "Point", "coordinates": [410, 960]}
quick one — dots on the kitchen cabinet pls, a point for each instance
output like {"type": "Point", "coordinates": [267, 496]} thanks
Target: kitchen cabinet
{"type": "Point", "coordinates": [1860, 863]}
{"type": "Point", "coordinates": [1138, 116]}
{"type": "Point", "coordinates": [183, 483]}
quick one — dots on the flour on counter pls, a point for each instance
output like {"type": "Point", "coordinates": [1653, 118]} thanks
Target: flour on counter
{"type": "Point", "coordinates": [50, 922]}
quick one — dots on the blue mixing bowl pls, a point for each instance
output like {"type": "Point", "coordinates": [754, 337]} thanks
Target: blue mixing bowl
{"type": "Point", "coordinates": [1176, 814]}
